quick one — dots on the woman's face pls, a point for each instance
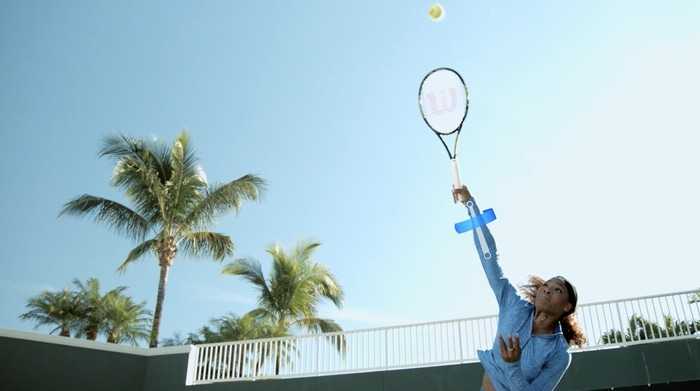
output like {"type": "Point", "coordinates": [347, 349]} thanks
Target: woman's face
{"type": "Point", "coordinates": [552, 297]}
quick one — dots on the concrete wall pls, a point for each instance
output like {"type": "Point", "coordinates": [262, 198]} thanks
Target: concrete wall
{"type": "Point", "coordinates": [36, 366]}
{"type": "Point", "coordinates": [27, 364]}
{"type": "Point", "coordinates": [166, 373]}
{"type": "Point", "coordinates": [651, 363]}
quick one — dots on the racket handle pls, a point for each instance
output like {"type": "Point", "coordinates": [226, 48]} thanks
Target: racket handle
{"type": "Point", "coordinates": [456, 181]}
{"type": "Point", "coordinates": [455, 174]}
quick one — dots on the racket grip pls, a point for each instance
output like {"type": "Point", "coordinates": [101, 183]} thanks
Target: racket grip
{"type": "Point", "coordinates": [456, 181]}
{"type": "Point", "coordinates": [455, 174]}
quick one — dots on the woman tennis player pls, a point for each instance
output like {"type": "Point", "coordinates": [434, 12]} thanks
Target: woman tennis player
{"type": "Point", "coordinates": [533, 334]}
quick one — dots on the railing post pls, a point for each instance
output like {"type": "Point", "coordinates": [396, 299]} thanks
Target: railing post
{"type": "Point", "coordinates": [461, 351]}
{"type": "Point", "coordinates": [191, 365]}
{"type": "Point", "coordinates": [622, 325]}
{"type": "Point", "coordinates": [386, 348]}
{"type": "Point", "coordinates": [256, 350]}
{"type": "Point", "coordinates": [318, 354]}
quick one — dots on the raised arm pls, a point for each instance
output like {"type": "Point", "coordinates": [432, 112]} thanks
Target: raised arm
{"type": "Point", "coordinates": [486, 248]}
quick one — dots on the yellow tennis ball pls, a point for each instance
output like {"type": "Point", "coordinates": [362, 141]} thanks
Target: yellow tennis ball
{"type": "Point", "coordinates": [436, 12]}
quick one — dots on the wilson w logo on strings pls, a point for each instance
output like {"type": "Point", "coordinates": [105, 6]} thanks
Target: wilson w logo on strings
{"type": "Point", "coordinates": [446, 102]}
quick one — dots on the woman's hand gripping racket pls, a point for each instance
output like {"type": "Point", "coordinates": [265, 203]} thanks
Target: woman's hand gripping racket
{"type": "Point", "coordinates": [444, 102]}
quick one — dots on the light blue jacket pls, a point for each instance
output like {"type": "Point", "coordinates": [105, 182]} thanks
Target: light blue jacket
{"type": "Point", "coordinates": [544, 358]}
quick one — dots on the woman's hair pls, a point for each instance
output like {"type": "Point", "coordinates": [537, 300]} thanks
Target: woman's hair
{"type": "Point", "coordinates": [573, 333]}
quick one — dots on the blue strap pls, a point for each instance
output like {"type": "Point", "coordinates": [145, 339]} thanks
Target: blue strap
{"type": "Point", "coordinates": [482, 219]}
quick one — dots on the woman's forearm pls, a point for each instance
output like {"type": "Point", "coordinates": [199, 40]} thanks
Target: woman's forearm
{"type": "Point", "coordinates": [486, 248]}
{"type": "Point", "coordinates": [485, 244]}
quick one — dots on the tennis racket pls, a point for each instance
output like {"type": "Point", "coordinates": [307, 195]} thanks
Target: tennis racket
{"type": "Point", "coordinates": [444, 102]}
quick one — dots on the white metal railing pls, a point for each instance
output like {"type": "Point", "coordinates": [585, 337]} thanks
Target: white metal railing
{"type": "Point", "coordinates": [640, 319]}
{"type": "Point", "coordinates": [606, 323]}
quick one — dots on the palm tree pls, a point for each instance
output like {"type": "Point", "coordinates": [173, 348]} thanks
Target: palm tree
{"type": "Point", "coordinates": [125, 320]}
{"type": "Point", "coordinates": [614, 336]}
{"type": "Point", "coordinates": [227, 328]}
{"type": "Point", "coordinates": [54, 308]}
{"type": "Point", "coordinates": [178, 340]}
{"type": "Point", "coordinates": [695, 298]}
{"type": "Point", "coordinates": [675, 328]}
{"type": "Point", "coordinates": [641, 329]}
{"type": "Point", "coordinates": [234, 328]}
{"type": "Point", "coordinates": [289, 299]}
{"type": "Point", "coordinates": [296, 285]}
{"type": "Point", "coordinates": [173, 205]}
{"type": "Point", "coordinates": [91, 314]}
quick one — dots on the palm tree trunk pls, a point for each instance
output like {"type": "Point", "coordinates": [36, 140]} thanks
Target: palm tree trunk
{"type": "Point", "coordinates": [164, 268]}
{"type": "Point", "coordinates": [65, 332]}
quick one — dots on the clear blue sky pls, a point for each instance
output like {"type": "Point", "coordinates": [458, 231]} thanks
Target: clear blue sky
{"type": "Point", "coordinates": [582, 135]}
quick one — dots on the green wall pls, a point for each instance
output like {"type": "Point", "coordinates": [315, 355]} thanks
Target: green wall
{"type": "Point", "coordinates": [31, 365]}
{"type": "Point", "coordinates": [39, 366]}
{"type": "Point", "coordinates": [652, 363]}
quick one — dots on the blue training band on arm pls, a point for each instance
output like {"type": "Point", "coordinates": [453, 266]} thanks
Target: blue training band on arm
{"type": "Point", "coordinates": [466, 225]}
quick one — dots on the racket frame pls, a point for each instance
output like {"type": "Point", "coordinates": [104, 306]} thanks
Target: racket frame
{"type": "Point", "coordinates": [456, 181]}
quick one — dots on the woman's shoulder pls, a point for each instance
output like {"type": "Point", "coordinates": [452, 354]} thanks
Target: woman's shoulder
{"type": "Point", "coordinates": [522, 304]}
{"type": "Point", "coordinates": [562, 348]}
{"type": "Point", "coordinates": [559, 355]}
{"type": "Point", "coordinates": [519, 307]}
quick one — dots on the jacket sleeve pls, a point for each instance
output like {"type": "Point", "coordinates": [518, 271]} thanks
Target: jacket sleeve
{"type": "Point", "coordinates": [552, 373]}
{"type": "Point", "coordinates": [486, 248]}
